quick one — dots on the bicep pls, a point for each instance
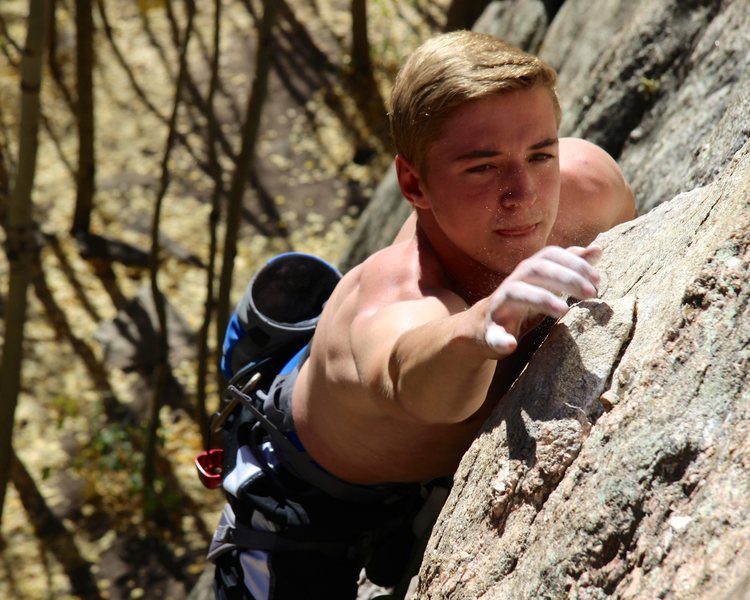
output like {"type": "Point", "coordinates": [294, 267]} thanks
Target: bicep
{"type": "Point", "coordinates": [373, 337]}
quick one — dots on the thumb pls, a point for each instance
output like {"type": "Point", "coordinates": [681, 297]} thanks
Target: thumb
{"type": "Point", "coordinates": [498, 339]}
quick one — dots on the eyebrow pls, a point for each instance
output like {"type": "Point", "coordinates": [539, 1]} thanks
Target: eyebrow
{"type": "Point", "coordinates": [474, 154]}
{"type": "Point", "coordinates": [544, 143]}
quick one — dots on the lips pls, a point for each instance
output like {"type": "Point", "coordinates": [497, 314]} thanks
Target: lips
{"type": "Point", "coordinates": [517, 231]}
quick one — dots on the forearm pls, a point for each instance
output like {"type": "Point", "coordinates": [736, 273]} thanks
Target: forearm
{"type": "Point", "coordinates": [440, 371]}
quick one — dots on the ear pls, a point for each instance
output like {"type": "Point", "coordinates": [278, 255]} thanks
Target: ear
{"type": "Point", "coordinates": [411, 183]}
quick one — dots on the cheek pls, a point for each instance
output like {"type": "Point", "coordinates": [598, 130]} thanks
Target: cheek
{"type": "Point", "coordinates": [465, 197]}
{"type": "Point", "coordinates": [548, 182]}
{"type": "Point", "coordinates": [484, 190]}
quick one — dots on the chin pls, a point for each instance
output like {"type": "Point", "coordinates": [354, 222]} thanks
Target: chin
{"type": "Point", "coordinates": [505, 259]}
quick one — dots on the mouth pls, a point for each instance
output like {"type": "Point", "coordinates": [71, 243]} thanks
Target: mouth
{"type": "Point", "coordinates": [518, 231]}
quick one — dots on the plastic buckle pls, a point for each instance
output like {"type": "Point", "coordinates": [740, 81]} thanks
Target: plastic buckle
{"type": "Point", "coordinates": [210, 464]}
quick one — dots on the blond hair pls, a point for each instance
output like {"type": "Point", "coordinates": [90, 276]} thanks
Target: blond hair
{"type": "Point", "coordinates": [449, 70]}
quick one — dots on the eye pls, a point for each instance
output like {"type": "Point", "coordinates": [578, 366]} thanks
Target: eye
{"type": "Point", "coordinates": [541, 157]}
{"type": "Point", "coordinates": [479, 168]}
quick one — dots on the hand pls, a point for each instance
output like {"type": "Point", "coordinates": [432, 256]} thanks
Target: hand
{"type": "Point", "coordinates": [535, 288]}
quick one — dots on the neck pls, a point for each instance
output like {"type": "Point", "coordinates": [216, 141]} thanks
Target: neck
{"type": "Point", "coordinates": [462, 274]}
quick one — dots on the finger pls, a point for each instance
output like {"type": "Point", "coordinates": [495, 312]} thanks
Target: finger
{"type": "Point", "coordinates": [518, 299]}
{"type": "Point", "coordinates": [575, 280]}
{"type": "Point", "coordinates": [572, 259]}
{"type": "Point", "coordinates": [591, 254]}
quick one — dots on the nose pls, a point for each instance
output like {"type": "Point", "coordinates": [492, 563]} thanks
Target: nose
{"type": "Point", "coordinates": [515, 186]}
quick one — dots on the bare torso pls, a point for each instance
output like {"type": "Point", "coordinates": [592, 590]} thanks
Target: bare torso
{"type": "Point", "coordinates": [360, 436]}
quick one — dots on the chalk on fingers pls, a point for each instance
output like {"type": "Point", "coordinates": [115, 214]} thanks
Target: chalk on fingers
{"type": "Point", "coordinates": [499, 340]}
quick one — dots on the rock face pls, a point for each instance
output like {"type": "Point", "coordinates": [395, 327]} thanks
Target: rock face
{"type": "Point", "coordinates": [379, 222]}
{"type": "Point", "coordinates": [660, 84]}
{"type": "Point", "coordinates": [522, 23]}
{"type": "Point", "coordinates": [619, 463]}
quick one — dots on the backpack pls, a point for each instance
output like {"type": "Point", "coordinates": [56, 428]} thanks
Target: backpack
{"type": "Point", "coordinates": [267, 339]}
{"type": "Point", "coordinates": [272, 324]}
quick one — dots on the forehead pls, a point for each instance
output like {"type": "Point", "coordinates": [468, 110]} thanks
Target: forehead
{"type": "Point", "coordinates": [512, 120]}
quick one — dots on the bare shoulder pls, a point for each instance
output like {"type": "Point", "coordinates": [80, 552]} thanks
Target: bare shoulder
{"type": "Point", "coordinates": [392, 291]}
{"type": "Point", "coordinates": [384, 279]}
{"type": "Point", "coordinates": [594, 195]}
{"type": "Point", "coordinates": [401, 272]}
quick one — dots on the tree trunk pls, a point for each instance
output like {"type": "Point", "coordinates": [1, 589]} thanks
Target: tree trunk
{"type": "Point", "coordinates": [462, 14]}
{"type": "Point", "coordinates": [85, 175]}
{"type": "Point", "coordinates": [20, 234]}
{"type": "Point", "coordinates": [215, 167]}
{"type": "Point", "coordinates": [256, 97]}
{"type": "Point", "coordinates": [361, 63]}
{"type": "Point", "coordinates": [161, 371]}
{"type": "Point", "coordinates": [55, 67]}
{"type": "Point", "coordinates": [4, 183]}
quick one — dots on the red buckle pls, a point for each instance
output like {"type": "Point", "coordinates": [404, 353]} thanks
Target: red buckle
{"type": "Point", "coordinates": [210, 464]}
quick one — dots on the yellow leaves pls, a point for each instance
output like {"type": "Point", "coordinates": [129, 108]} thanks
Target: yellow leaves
{"type": "Point", "coordinates": [280, 161]}
{"type": "Point", "coordinates": [196, 568]}
{"type": "Point", "coordinates": [305, 158]}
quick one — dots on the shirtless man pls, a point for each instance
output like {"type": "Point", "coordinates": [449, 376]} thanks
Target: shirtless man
{"type": "Point", "coordinates": [397, 383]}
{"type": "Point", "coordinates": [417, 344]}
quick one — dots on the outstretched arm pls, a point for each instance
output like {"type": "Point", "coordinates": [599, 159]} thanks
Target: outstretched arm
{"type": "Point", "coordinates": [433, 359]}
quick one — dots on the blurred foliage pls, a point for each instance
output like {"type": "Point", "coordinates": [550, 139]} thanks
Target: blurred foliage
{"type": "Point", "coordinates": [322, 149]}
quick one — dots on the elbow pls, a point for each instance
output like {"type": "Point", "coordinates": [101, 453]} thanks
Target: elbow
{"type": "Point", "coordinates": [399, 399]}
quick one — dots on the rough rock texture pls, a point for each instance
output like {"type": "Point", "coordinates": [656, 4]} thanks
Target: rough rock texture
{"type": "Point", "coordinates": [660, 84]}
{"type": "Point", "coordinates": [619, 463]}
{"type": "Point", "coordinates": [523, 23]}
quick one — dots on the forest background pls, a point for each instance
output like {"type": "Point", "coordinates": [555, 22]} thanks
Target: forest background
{"type": "Point", "coordinates": [152, 155]}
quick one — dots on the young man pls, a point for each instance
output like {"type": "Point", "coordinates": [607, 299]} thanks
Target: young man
{"type": "Point", "coordinates": [417, 344]}
{"type": "Point", "coordinates": [397, 381]}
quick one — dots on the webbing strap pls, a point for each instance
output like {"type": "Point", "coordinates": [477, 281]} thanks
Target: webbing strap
{"type": "Point", "coordinates": [247, 538]}
{"type": "Point", "coordinates": [300, 462]}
